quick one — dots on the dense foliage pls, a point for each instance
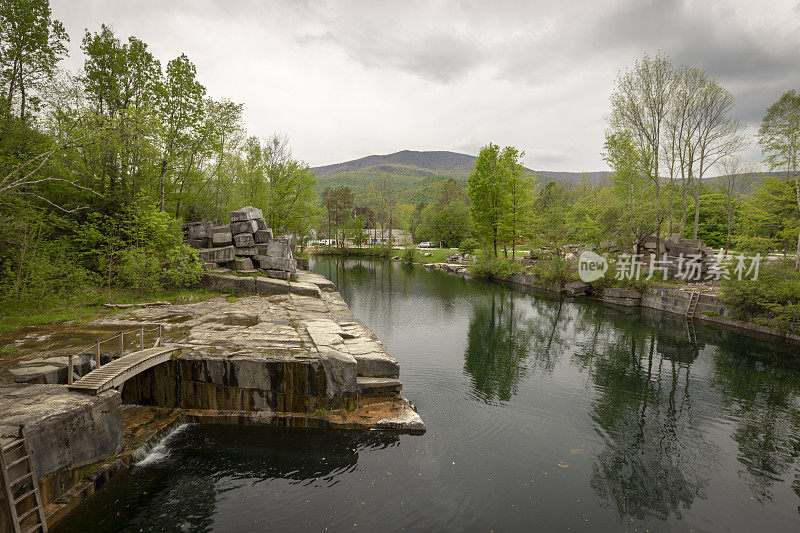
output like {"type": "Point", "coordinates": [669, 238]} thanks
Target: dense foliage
{"type": "Point", "coordinates": [100, 168]}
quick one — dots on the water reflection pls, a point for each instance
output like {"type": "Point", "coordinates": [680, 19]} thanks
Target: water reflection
{"type": "Point", "coordinates": [661, 391]}
{"type": "Point", "coordinates": [498, 342]}
{"type": "Point", "coordinates": [674, 426]}
{"type": "Point", "coordinates": [761, 394]}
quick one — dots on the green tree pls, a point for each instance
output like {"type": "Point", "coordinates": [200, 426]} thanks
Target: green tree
{"type": "Point", "coordinates": [487, 193]}
{"type": "Point", "coordinates": [636, 214]}
{"type": "Point", "coordinates": [408, 216]}
{"type": "Point", "coordinates": [779, 137]}
{"type": "Point", "coordinates": [180, 108]}
{"type": "Point", "coordinates": [516, 217]}
{"type": "Point", "coordinates": [291, 200]}
{"type": "Point", "coordinates": [338, 204]}
{"type": "Point", "coordinates": [31, 45]}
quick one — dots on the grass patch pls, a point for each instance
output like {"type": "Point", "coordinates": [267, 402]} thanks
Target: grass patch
{"type": "Point", "coordinates": [85, 306]}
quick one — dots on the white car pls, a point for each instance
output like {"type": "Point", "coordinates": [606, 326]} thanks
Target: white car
{"type": "Point", "coordinates": [427, 244]}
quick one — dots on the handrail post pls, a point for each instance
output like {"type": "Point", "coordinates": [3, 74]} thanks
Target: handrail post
{"type": "Point", "coordinates": [121, 343]}
{"type": "Point", "coordinates": [97, 353]}
{"type": "Point", "coordinates": [70, 370]}
{"type": "Point", "coordinates": [141, 339]}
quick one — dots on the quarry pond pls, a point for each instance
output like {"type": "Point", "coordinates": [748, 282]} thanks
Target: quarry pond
{"type": "Point", "coordinates": [541, 412]}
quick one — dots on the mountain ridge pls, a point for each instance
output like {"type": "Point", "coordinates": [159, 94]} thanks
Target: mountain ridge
{"type": "Point", "coordinates": [442, 163]}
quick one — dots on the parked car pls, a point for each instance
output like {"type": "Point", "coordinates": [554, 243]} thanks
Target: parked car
{"type": "Point", "coordinates": [427, 244]}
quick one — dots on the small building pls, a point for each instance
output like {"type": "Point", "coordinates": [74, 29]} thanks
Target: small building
{"type": "Point", "coordinates": [397, 236]}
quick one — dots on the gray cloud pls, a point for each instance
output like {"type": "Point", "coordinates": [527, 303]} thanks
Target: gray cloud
{"type": "Point", "coordinates": [344, 79]}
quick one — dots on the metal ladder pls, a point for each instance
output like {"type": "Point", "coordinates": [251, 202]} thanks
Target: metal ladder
{"type": "Point", "coordinates": [13, 454]}
{"type": "Point", "coordinates": [691, 308]}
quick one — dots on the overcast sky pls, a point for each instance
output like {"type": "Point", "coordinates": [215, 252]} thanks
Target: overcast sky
{"type": "Point", "coordinates": [348, 79]}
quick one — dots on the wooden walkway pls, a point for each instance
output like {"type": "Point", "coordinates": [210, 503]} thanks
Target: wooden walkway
{"type": "Point", "coordinates": [118, 371]}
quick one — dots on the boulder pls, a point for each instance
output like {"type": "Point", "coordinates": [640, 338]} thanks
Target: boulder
{"type": "Point", "coordinates": [263, 236]}
{"type": "Point", "coordinates": [221, 239]}
{"type": "Point", "coordinates": [262, 224]}
{"type": "Point", "coordinates": [246, 213]}
{"type": "Point", "coordinates": [302, 263]}
{"type": "Point", "coordinates": [246, 252]}
{"type": "Point", "coordinates": [243, 263]}
{"type": "Point", "coordinates": [244, 240]}
{"type": "Point", "coordinates": [577, 287]}
{"type": "Point", "coordinates": [245, 226]}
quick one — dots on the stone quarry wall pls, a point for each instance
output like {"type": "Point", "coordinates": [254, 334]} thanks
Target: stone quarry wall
{"type": "Point", "coordinates": [239, 383]}
{"type": "Point", "coordinates": [671, 300]}
{"type": "Point", "coordinates": [67, 432]}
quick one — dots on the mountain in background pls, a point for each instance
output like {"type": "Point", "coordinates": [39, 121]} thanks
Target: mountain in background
{"type": "Point", "coordinates": [415, 174]}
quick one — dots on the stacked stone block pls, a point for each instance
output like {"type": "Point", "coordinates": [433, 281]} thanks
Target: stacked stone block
{"type": "Point", "coordinates": [256, 247]}
{"type": "Point", "coordinates": [245, 244]}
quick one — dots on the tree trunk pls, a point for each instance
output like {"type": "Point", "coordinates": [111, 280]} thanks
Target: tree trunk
{"type": "Point", "coordinates": [696, 208]}
{"type": "Point", "coordinates": [163, 181]}
{"type": "Point", "coordinates": [22, 101]}
{"type": "Point", "coordinates": [797, 195]}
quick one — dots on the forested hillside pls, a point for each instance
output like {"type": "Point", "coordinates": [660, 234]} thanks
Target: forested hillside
{"type": "Point", "coordinates": [415, 174]}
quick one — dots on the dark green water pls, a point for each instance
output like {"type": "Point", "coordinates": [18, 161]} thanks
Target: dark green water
{"type": "Point", "coordinates": [542, 413]}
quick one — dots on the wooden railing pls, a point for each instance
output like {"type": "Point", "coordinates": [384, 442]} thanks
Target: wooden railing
{"type": "Point", "coordinates": [121, 335]}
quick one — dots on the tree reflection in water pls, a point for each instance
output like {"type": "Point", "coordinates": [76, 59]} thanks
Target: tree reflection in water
{"type": "Point", "coordinates": [497, 345]}
{"type": "Point", "coordinates": [761, 394]}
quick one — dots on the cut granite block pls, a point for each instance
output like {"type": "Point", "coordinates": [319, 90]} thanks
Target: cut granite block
{"type": "Point", "coordinates": [246, 213]}
{"type": "Point", "coordinates": [263, 236]}
{"type": "Point", "coordinates": [247, 252]}
{"type": "Point", "coordinates": [243, 263]}
{"type": "Point", "coordinates": [217, 255]}
{"type": "Point", "coordinates": [246, 226]}
{"type": "Point", "coordinates": [277, 274]}
{"type": "Point", "coordinates": [221, 239]}
{"type": "Point", "coordinates": [244, 240]}
{"type": "Point", "coordinates": [267, 262]}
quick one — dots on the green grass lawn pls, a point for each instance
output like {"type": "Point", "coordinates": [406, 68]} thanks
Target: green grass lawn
{"type": "Point", "coordinates": [84, 306]}
{"type": "Point", "coordinates": [438, 255]}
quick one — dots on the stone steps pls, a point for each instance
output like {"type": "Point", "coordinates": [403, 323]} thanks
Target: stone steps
{"type": "Point", "coordinates": [378, 387]}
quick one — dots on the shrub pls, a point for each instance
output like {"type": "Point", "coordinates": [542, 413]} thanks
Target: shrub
{"type": "Point", "coordinates": [139, 270]}
{"type": "Point", "coordinates": [408, 255]}
{"type": "Point", "coordinates": [468, 246]}
{"type": "Point", "coordinates": [554, 271]}
{"type": "Point", "coordinates": [772, 299]}
{"type": "Point", "coordinates": [488, 266]}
